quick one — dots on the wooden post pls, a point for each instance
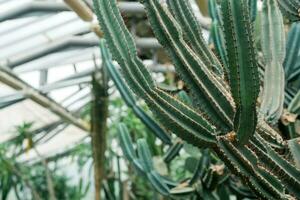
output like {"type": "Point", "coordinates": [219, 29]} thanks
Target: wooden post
{"type": "Point", "coordinates": [99, 114]}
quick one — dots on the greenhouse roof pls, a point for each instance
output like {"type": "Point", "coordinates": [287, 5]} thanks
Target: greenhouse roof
{"type": "Point", "coordinates": [48, 53]}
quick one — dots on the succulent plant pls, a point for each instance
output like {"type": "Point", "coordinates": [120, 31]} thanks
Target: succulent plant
{"type": "Point", "coordinates": [223, 116]}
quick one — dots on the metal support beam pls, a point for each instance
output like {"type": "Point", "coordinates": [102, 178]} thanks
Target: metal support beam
{"type": "Point", "coordinates": [16, 83]}
{"type": "Point", "coordinates": [43, 77]}
{"type": "Point", "coordinates": [33, 6]}
{"type": "Point", "coordinates": [72, 42]}
{"type": "Point", "coordinates": [51, 6]}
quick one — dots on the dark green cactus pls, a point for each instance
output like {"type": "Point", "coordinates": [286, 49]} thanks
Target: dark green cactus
{"type": "Point", "coordinates": [223, 116]}
{"type": "Point", "coordinates": [243, 70]}
{"type": "Point", "coordinates": [217, 35]}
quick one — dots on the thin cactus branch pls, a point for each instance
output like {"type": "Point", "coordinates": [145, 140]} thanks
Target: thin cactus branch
{"type": "Point", "coordinates": [243, 70]}
{"type": "Point", "coordinates": [273, 48]}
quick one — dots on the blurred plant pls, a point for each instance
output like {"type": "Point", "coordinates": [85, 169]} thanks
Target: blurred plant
{"type": "Point", "coordinates": [38, 178]}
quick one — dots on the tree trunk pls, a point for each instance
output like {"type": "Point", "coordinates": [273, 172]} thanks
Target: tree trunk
{"type": "Point", "coordinates": [99, 114]}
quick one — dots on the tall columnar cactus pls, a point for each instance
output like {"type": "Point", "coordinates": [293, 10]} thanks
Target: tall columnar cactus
{"type": "Point", "coordinates": [129, 98]}
{"type": "Point", "coordinates": [273, 48]}
{"type": "Point", "coordinates": [223, 116]}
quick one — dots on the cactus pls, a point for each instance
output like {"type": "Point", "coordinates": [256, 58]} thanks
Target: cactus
{"type": "Point", "coordinates": [216, 32]}
{"type": "Point", "coordinates": [222, 116]}
{"type": "Point", "coordinates": [294, 145]}
{"type": "Point", "coordinates": [292, 62]}
{"type": "Point", "coordinates": [293, 114]}
{"type": "Point", "coordinates": [129, 98]}
{"type": "Point", "coordinates": [291, 9]}
{"type": "Point", "coordinates": [273, 48]}
{"type": "Point", "coordinates": [292, 73]}
{"type": "Point", "coordinates": [207, 180]}
{"type": "Point", "coordinates": [243, 70]}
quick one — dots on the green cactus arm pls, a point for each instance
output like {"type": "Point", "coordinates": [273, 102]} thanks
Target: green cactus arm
{"type": "Point", "coordinates": [184, 97]}
{"type": "Point", "coordinates": [202, 166]}
{"type": "Point", "coordinates": [146, 158]}
{"type": "Point", "coordinates": [294, 146]}
{"type": "Point", "coordinates": [217, 35]}
{"type": "Point", "coordinates": [274, 139]}
{"type": "Point", "coordinates": [241, 190]}
{"type": "Point", "coordinates": [127, 147]}
{"type": "Point", "coordinates": [158, 183]}
{"type": "Point", "coordinates": [253, 9]}
{"type": "Point", "coordinates": [173, 151]}
{"type": "Point", "coordinates": [243, 69]}
{"type": "Point", "coordinates": [290, 8]}
{"type": "Point", "coordinates": [145, 155]}
{"type": "Point", "coordinates": [129, 98]}
{"type": "Point", "coordinates": [193, 33]}
{"type": "Point", "coordinates": [236, 159]}
{"type": "Point", "coordinates": [143, 164]}
{"type": "Point", "coordinates": [219, 44]}
{"type": "Point", "coordinates": [173, 114]}
{"type": "Point", "coordinates": [214, 11]}
{"type": "Point", "coordinates": [294, 106]}
{"type": "Point", "coordinates": [278, 165]}
{"type": "Point", "coordinates": [292, 59]}
{"type": "Point", "coordinates": [214, 98]}
{"type": "Point", "coordinates": [273, 48]}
